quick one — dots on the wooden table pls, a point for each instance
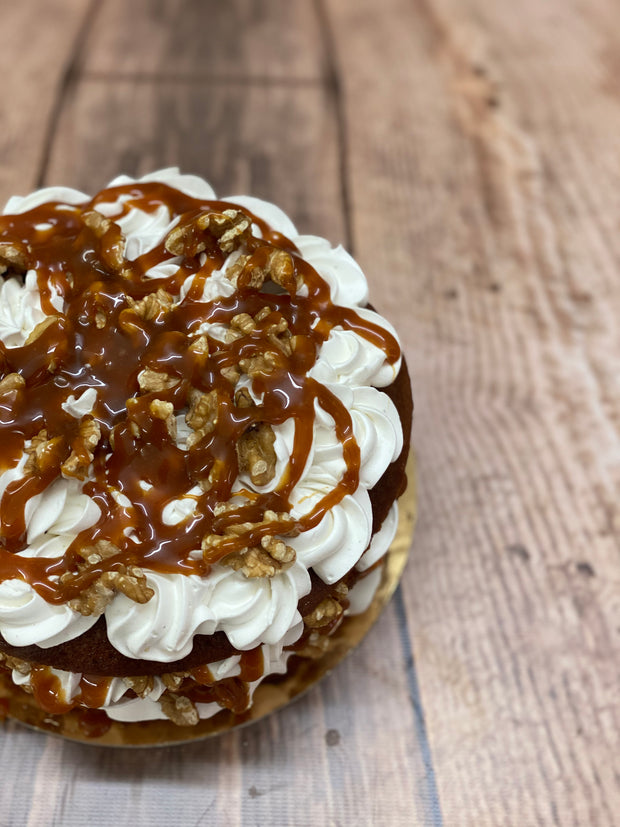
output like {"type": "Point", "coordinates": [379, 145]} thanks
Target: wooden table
{"type": "Point", "coordinates": [467, 152]}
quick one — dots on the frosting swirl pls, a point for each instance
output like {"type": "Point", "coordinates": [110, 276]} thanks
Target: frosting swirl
{"type": "Point", "coordinates": [158, 495]}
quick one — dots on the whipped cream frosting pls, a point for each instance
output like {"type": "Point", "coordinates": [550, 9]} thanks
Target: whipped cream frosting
{"type": "Point", "coordinates": [250, 611]}
{"type": "Point", "coordinates": [121, 703]}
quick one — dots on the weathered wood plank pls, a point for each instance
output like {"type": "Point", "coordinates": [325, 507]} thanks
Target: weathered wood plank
{"type": "Point", "coordinates": [268, 140]}
{"type": "Point", "coordinates": [34, 60]}
{"type": "Point", "coordinates": [489, 180]}
{"type": "Point", "coordinates": [202, 39]}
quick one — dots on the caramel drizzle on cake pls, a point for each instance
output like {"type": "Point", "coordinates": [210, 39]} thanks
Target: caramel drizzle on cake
{"type": "Point", "coordinates": [123, 334]}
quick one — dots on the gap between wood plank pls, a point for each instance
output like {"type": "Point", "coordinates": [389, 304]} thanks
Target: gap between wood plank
{"type": "Point", "coordinates": [197, 79]}
{"type": "Point", "coordinates": [428, 792]}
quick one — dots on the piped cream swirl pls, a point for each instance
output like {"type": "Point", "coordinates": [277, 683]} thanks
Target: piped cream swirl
{"type": "Point", "coordinates": [250, 611]}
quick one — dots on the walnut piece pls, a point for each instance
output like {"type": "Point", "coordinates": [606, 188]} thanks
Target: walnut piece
{"type": "Point", "coordinates": [179, 709]}
{"type": "Point", "coordinates": [243, 322]}
{"type": "Point", "coordinates": [156, 380]}
{"type": "Point", "coordinates": [253, 562]}
{"type": "Point", "coordinates": [21, 666]}
{"type": "Point", "coordinates": [272, 557]}
{"type": "Point", "coordinates": [244, 274]}
{"type": "Point", "coordinates": [128, 580]}
{"type": "Point", "coordinates": [89, 434]}
{"type": "Point", "coordinates": [279, 268]}
{"type": "Point", "coordinates": [12, 382]}
{"type": "Point", "coordinates": [141, 684]}
{"type": "Point", "coordinates": [165, 411]}
{"type": "Point", "coordinates": [243, 398]}
{"type": "Point", "coordinates": [231, 374]}
{"type": "Point", "coordinates": [43, 453]}
{"type": "Point", "coordinates": [277, 549]}
{"type": "Point", "coordinates": [200, 346]}
{"type": "Point", "coordinates": [227, 229]}
{"type": "Point", "coordinates": [101, 550]}
{"type": "Point", "coordinates": [327, 612]}
{"type": "Point", "coordinates": [261, 365]}
{"type": "Point", "coordinates": [152, 305]}
{"type": "Point", "coordinates": [113, 253]}
{"type": "Point", "coordinates": [173, 680]}
{"type": "Point", "coordinates": [256, 454]}
{"type": "Point", "coordinates": [277, 331]}
{"type": "Point", "coordinates": [202, 415]}
{"type": "Point", "coordinates": [15, 257]}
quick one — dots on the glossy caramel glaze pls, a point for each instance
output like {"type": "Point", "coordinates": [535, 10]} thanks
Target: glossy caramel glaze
{"type": "Point", "coordinates": [73, 354]}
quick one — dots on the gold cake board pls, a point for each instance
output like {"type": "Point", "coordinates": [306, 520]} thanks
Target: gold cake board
{"type": "Point", "coordinates": [270, 695]}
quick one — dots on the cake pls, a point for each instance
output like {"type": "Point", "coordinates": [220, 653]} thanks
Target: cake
{"type": "Point", "coordinates": [204, 428]}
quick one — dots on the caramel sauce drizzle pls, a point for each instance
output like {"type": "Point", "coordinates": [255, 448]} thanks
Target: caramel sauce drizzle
{"type": "Point", "coordinates": [74, 354]}
{"type": "Point", "coordinates": [47, 691]}
{"type": "Point", "coordinates": [200, 687]}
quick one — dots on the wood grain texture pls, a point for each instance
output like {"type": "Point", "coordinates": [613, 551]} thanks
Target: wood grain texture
{"type": "Point", "coordinates": [251, 40]}
{"type": "Point", "coordinates": [240, 138]}
{"type": "Point", "coordinates": [35, 61]}
{"type": "Point", "coordinates": [468, 151]}
{"type": "Point", "coordinates": [485, 173]}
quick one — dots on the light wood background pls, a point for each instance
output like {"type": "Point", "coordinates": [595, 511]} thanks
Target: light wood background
{"type": "Point", "coordinates": [468, 152]}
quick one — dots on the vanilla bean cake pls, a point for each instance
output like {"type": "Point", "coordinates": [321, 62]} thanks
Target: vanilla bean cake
{"type": "Point", "coordinates": [203, 434]}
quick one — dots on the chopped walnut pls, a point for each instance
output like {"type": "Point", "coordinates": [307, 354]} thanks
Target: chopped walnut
{"type": "Point", "coordinates": [101, 550]}
{"type": "Point", "coordinates": [227, 229]}
{"type": "Point", "coordinates": [231, 374]}
{"type": "Point", "coordinates": [12, 382]}
{"type": "Point", "coordinates": [242, 274]}
{"type": "Point", "coordinates": [156, 380]}
{"type": "Point", "coordinates": [89, 434]}
{"type": "Point", "coordinates": [113, 254]}
{"type": "Point", "coordinates": [243, 398]}
{"type": "Point", "coordinates": [173, 680]}
{"type": "Point", "coordinates": [130, 581]}
{"type": "Point", "coordinates": [179, 709]}
{"type": "Point", "coordinates": [243, 322]}
{"type": "Point", "coordinates": [277, 332]}
{"type": "Point", "coordinates": [43, 453]}
{"type": "Point", "coordinates": [279, 335]}
{"type": "Point", "coordinates": [253, 562]}
{"type": "Point", "coordinates": [152, 305]}
{"type": "Point", "coordinates": [224, 508]}
{"type": "Point", "coordinates": [14, 256]}
{"type": "Point", "coordinates": [141, 684]}
{"type": "Point", "coordinates": [272, 557]}
{"type": "Point", "coordinates": [327, 612]}
{"type": "Point", "coordinates": [262, 314]}
{"type": "Point", "coordinates": [48, 321]}
{"type": "Point", "coordinates": [21, 666]}
{"type": "Point", "coordinates": [100, 319]}
{"type": "Point", "coordinates": [200, 346]}
{"type": "Point", "coordinates": [282, 272]}
{"type": "Point", "coordinates": [202, 415]}
{"type": "Point", "coordinates": [256, 454]}
{"type": "Point", "coordinates": [277, 549]}
{"type": "Point", "coordinates": [260, 365]}
{"type": "Point", "coordinates": [280, 268]}
{"type": "Point", "coordinates": [164, 410]}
